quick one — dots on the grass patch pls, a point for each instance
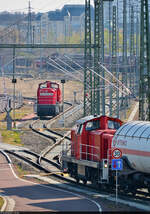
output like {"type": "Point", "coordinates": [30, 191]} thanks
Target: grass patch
{"type": "Point", "coordinates": [11, 137]}
{"type": "Point", "coordinates": [1, 202]}
{"type": "Point", "coordinates": [20, 171]}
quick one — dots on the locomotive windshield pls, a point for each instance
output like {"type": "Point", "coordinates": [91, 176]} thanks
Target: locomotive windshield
{"type": "Point", "coordinates": [113, 124]}
{"type": "Point", "coordinates": [53, 85]}
{"type": "Point", "coordinates": [92, 125]}
{"type": "Point", "coordinates": [43, 85]}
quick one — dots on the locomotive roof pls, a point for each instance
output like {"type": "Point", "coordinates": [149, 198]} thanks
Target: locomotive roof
{"type": "Point", "coordinates": [135, 129]}
{"type": "Point", "coordinates": [87, 118]}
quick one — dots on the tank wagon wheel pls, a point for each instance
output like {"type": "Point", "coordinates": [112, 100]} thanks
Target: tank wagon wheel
{"type": "Point", "coordinates": [130, 189]}
{"type": "Point", "coordinates": [126, 189]}
{"type": "Point", "coordinates": [95, 183]}
{"type": "Point", "coordinates": [148, 189]}
{"type": "Point", "coordinates": [133, 191]}
{"type": "Point", "coordinates": [77, 180]}
{"type": "Point", "coordinates": [84, 181]}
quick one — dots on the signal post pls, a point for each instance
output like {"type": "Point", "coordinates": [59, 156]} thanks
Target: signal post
{"type": "Point", "coordinates": [117, 164]}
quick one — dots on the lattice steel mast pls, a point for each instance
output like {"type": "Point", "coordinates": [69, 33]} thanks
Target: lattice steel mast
{"type": "Point", "coordinates": [101, 57]}
{"type": "Point", "coordinates": [144, 89]}
{"type": "Point", "coordinates": [137, 55]}
{"type": "Point", "coordinates": [117, 68]}
{"type": "Point", "coordinates": [88, 59]}
{"type": "Point", "coordinates": [99, 84]}
{"type": "Point", "coordinates": [124, 74]}
{"type": "Point", "coordinates": [114, 63]}
{"type": "Point", "coordinates": [132, 53]}
{"type": "Point", "coordinates": [96, 93]}
{"type": "Point", "coordinates": [110, 58]}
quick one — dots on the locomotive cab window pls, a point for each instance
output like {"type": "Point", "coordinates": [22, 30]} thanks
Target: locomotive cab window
{"type": "Point", "coordinates": [92, 125]}
{"type": "Point", "coordinates": [43, 85]}
{"type": "Point", "coordinates": [113, 124]}
{"type": "Point", "coordinates": [53, 85]}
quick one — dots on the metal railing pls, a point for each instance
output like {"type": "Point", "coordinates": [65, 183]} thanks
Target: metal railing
{"type": "Point", "coordinates": [86, 152]}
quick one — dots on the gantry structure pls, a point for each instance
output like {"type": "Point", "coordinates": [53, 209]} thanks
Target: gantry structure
{"type": "Point", "coordinates": [131, 76]}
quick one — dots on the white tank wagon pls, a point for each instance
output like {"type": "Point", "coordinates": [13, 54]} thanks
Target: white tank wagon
{"type": "Point", "coordinates": [133, 139]}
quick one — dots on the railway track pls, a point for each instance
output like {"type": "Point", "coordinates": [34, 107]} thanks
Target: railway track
{"type": "Point", "coordinates": [139, 195]}
{"type": "Point", "coordinates": [44, 165]}
{"type": "Point", "coordinates": [57, 138]}
{"type": "Point", "coordinates": [46, 170]}
{"type": "Point", "coordinates": [48, 167]}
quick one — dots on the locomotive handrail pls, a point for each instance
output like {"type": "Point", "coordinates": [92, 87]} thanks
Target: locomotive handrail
{"type": "Point", "coordinates": [86, 152]}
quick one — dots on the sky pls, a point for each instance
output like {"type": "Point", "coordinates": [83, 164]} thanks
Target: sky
{"type": "Point", "coordinates": [37, 5]}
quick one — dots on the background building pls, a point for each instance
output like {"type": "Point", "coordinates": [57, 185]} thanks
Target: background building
{"type": "Point", "coordinates": [60, 25]}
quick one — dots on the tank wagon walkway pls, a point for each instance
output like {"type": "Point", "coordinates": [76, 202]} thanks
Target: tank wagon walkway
{"type": "Point", "coordinates": [29, 196]}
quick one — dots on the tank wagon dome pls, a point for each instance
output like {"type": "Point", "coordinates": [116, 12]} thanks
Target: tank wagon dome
{"type": "Point", "coordinates": [139, 129]}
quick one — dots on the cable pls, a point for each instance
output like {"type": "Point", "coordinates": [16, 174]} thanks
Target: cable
{"type": "Point", "coordinates": [128, 91]}
{"type": "Point", "coordinates": [70, 66]}
{"type": "Point", "coordinates": [63, 69]}
{"type": "Point", "coordinates": [115, 78]}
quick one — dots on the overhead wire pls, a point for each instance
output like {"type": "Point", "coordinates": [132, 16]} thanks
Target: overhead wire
{"type": "Point", "coordinates": [70, 66]}
{"type": "Point", "coordinates": [112, 84]}
{"type": "Point", "coordinates": [56, 65]}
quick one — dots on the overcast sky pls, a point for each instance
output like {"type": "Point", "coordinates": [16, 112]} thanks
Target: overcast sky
{"type": "Point", "coordinates": [37, 5]}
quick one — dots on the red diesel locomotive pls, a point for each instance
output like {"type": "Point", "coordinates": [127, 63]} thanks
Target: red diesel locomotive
{"type": "Point", "coordinates": [91, 148]}
{"type": "Point", "coordinates": [90, 156]}
{"type": "Point", "coordinates": [48, 99]}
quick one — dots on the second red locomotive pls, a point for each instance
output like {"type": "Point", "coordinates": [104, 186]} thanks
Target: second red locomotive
{"type": "Point", "coordinates": [49, 102]}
